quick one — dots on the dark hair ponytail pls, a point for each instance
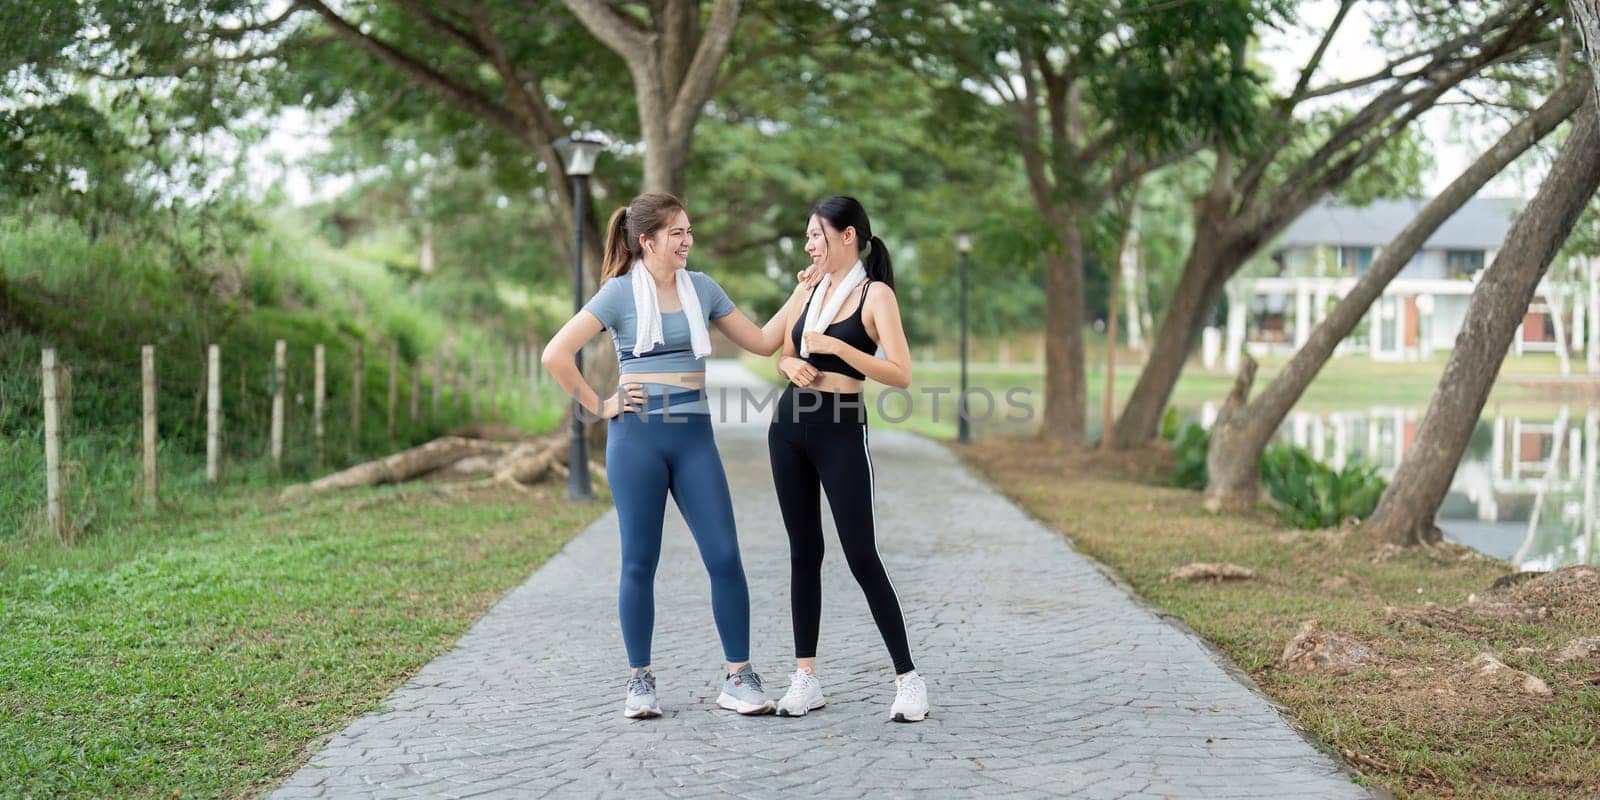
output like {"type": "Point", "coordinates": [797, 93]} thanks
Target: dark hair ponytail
{"type": "Point", "coordinates": [846, 212]}
{"type": "Point", "coordinates": [648, 213]}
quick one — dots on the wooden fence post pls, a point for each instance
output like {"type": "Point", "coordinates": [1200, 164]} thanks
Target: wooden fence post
{"type": "Point", "coordinates": [319, 393]}
{"type": "Point", "coordinates": [414, 407]}
{"type": "Point", "coordinates": [152, 478]}
{"type": "Point", "coordinates": [54, 484]}
{"type": "Point", "coordinates": [214, 414]}
{"type": "Point", "coordinates": [438, 385]}
{"type": "Point", "coordinates": [473, 396]}
{"type": "Point", "coordinates": [280, 368]}
{"type": "Point", "coordinates": [494, 385]}
{"type": "Point", "coordinates": [358, 373]}
{"type": "Point", "coordinates": [394, 385]}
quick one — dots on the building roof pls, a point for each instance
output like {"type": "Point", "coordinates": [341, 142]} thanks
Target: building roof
{"type": "Point", "coordinates": [1481, 224]}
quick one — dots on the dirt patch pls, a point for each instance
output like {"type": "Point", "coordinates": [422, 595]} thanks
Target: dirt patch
{"type": "Point", "coordinates": [1151, 464]}
{"type": "Point", "coordinates": [1570, 591]}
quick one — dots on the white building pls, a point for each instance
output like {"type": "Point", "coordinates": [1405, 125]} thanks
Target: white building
{"type": "Point", "coordinates": [1320, 257]}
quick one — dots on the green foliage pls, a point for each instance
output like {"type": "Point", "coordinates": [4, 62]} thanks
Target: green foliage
{"type": "Point", "coordinates": [1312, 494]}
{"type": "Point", "coordinates": [96, 302]}
{"type": "Point", "coordinates": [1190, 446]}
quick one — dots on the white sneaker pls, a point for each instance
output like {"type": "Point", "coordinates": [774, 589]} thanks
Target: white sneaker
{"type": "Point", "coordinates": [804, 695]}
{"type": "Point", "coordinates": [742, 693]}
{"type": "Point", "coordinates": [910, 699]}
{"type": "Point", "coordinates": [642, 703]}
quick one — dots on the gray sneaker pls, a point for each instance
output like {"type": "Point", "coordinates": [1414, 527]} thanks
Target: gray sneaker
{"type": "Point", "coordinates": [742, 692]}
{"type": "Point", "coordinates": [642, 697]}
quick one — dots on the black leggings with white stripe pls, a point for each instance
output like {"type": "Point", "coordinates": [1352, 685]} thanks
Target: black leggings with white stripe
{"type": "Point", "coordinates": [819, 440]}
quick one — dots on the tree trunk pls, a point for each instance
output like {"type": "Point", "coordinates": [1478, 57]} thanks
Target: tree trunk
{"type": "Point", "coordinates": [1223, 466]}
{"type": "Point", "coordinates": [1240, 445]}
{"type": "Point", "coordinates": [1065, 398]}
{"type": "Point", "coordinates": [1196, 294]}
{"type": "Point", "coordinates": [1405, 514]}
{"type": "Point", "coordinates": [1586, 15]}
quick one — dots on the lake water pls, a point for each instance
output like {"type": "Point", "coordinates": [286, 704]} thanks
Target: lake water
{"type": "Point", "coordinates": [1526, 489]}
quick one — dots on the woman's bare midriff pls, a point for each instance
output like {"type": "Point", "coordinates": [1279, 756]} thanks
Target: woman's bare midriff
{"type": "Point", "coordinates": [837, 383]}
{"type": "Point", "coordinates": [688, 380]}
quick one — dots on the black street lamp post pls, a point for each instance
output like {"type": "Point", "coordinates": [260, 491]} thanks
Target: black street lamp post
{"type": "Point", "coordinates": [963, 427]}
{"type": "Point", "coordinates": [580, 154]}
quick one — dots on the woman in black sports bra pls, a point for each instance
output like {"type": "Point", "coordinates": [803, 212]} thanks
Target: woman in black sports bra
{"type": "Point", "coordinates": [818, 440]}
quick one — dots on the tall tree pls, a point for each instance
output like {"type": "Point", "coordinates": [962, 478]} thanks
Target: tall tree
{"type": "Point", "coordinates": [1406, 512]}
{"type": "Point", "coordinates": [1243, 429]}
{"type": "Point", "coordinates": [1255, 194]}
{"type": "Point", "coordinates": [1099, 93]}
{"type": "Point", "coordinates": [674, 65]}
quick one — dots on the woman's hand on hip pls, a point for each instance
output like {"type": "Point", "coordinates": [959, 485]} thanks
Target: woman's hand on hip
{"type": "Point", "coordinates": [798, 372]}
{"type": "Point", "coordinates": [631, 398]}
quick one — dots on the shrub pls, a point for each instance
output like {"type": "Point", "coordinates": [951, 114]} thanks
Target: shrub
{"type": "Point", "coordinates": [1190, 446]}
{"type": "Point", "coordinates": [1313, 494]}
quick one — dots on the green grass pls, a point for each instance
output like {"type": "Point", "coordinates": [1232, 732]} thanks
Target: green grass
{"type": "Point", "coordinates": [200, 655]}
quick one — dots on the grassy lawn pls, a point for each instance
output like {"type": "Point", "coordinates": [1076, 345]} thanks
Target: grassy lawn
{"type": "Point", "coordinates": [1416, 719]}
{"type": "Point", "coordinates": [207, 655]}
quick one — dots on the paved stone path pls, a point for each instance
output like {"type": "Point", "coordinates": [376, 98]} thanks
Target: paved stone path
{"type": "Point", "coordinates": [1045, 679]}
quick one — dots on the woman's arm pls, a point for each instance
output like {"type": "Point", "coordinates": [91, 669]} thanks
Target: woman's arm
{"type": "Point", "coordinates": [882, 318]}
{"type": "Point", "coordinates": [798, 371]}
{"type": "Point", "coordinates": [765, 340]}
{"type": "Point", "coordinates": [559, 360]}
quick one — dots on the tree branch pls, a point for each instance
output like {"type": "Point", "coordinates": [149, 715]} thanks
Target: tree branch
{"type": "Point", "coordinates": [179, 69]}
{"type": "Point", "coordinates": [1316, 56]}
{"type": "Point", "coordinates": [264, 27]}
{"type": "Point", "coordinates": [619, 32]}
{"type": "Point", "coordinates": [701, 78]}
{"type": "Point", "coordinates": [532, 108]}
{"type": "Point", "coordinates": [443, 26]}
{"type": "Point", "coordinates": [464, 98]}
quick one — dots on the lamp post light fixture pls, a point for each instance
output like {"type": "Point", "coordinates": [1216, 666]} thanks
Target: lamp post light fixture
{"type": "Point", "coordinates": [579, 152]}
{"type": "Point", "coordinates": [963, 427]}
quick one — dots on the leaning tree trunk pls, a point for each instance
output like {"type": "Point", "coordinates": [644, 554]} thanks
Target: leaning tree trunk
{"type": "Point", "coordinates": [1586, 13]}
{"type": "Point", "coordinates": [1066, 405]}
{"type": "Point", "coordinates": [1406, 512]}
{"type": "Point", "coordinates": [1193, 299]}
{"type": "Point", "coordinates": [1237, 442]}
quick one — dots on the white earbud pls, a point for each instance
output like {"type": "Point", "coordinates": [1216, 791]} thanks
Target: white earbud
{"type": "Point", "coordinates": [650, 247]}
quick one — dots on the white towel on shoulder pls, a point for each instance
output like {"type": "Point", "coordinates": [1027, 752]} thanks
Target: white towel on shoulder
{"type": "Point", "coordinates": [820, 315]}
{"type": "Point", "coordinates": [647, 310]}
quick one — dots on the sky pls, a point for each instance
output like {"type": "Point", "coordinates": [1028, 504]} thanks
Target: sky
{"type": "Point", "coordinates": [298, 134]}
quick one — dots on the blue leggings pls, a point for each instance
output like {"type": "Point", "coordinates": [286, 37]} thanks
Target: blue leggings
{"type": "Point", "coordinates": [648, 456]}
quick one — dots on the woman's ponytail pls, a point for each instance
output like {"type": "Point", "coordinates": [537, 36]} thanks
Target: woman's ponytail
{"type": "Point", "coordinates": [648, 213]}
{"type": "Point", "coordinates": [877, 262]}
{"type": "Point", "coordinates": [617, 259]}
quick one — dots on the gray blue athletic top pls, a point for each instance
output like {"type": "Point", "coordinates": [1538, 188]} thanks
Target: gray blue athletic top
{"type": "Point", "coordinates": [613, 306]}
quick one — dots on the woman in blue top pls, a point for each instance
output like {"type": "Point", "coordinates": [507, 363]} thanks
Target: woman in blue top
{"type": "Point", "coordinates": [657, 311]}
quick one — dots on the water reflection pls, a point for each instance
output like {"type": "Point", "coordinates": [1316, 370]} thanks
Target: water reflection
{"type": "Point", "coordinates": [1525, 491]}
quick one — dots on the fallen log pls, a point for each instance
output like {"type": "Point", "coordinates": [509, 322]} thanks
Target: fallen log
{"type": "Point", "coordinates": [401, 466]}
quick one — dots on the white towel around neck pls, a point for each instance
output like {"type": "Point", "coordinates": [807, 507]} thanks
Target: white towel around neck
{"type": "Point", "coordinates": [820, 315]}
{"type": "Point", "coordinates": [647, 310]}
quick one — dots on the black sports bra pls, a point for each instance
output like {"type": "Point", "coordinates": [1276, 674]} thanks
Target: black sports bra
{"type": "Point", "coordinates": [850, 330]}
